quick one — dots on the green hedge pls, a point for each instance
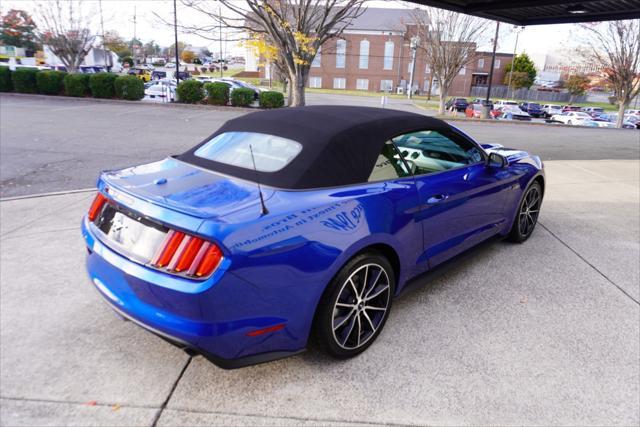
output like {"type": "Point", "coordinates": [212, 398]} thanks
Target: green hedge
{"type": "Point", "coordinates": [217, 93]}
{"type": "Point", "coordinates": [6, 85]}
{"type": "Point", "coordinates": [190, 92]}
{"type": "Point", "coordinates": [129, 87]}
{"type": "Point", "coordinates": [102, 85]}
{"type": "Point", "coordinates": [50, 82]}
{"type": "Point", "coordinates": [77, 85]}
{"type": "Point", "coordinates": [24, 80]}
{"type": "Point", "coordinates": [271, 99]}
{"type": "Point", "coordinates": [242, 97]}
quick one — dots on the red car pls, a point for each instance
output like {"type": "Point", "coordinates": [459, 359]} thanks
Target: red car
{"type": "Point", "coordinates": [475, 111]}
{"type": "Point", "coordinates": [570, 108]}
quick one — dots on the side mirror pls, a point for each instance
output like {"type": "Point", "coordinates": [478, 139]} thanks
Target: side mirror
{"type": "Point", "coordinates": [497, 160]}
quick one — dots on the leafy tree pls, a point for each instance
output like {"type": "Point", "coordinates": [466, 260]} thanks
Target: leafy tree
{"type": "Point", "coordinates": [115, 43]}
{"type": "Point", "coordinates": [297, 28]}
{"type": "Point", "coordinates": [448, 40]}
{"type": "Point", "coordinates": [151, 48]}
{"type": "Point", "coordinates": [66, 31]}
{"type": "Point", "coordinates": [518, 79]}
{"type": "Point", "coordinates": [522, 63]}
{"type": "Point", "coordinates": [206, 53]}
{"type": "Point", "coordinates": [18, 29]}
{"type": "Point", "coordinates": [615, 47]}
{"type": "Point", "coordinates": [187, 56]}
{"type": "Point", "coordinates": [171, 51]}
{"type": "Point", "coordinates": [577, 85]}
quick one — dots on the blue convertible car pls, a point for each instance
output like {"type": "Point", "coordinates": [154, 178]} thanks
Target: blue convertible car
{"type": "Point", "coordinates": [298, 223]}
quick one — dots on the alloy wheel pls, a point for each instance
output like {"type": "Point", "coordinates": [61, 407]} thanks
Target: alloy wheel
{"type": "Point", "coordinates": [361, 306]}
{"type": "Point", "coordinates": [529, 211]}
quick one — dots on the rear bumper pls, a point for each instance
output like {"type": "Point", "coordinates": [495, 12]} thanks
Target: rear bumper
{"type": "Point", "coordinates": [211, 319]}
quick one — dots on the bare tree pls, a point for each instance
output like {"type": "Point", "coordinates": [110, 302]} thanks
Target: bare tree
{"type": "Point", "coordinates": [448, 40]}
{"type": "Point", "coordinates": [65, 30]}
{"type": "Point", "coordinates": [297, 28]}
{"type": "Point", "coordinates": [615, 47]}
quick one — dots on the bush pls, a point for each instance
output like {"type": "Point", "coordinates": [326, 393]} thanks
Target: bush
{"type": "Point", "coordinates": [129, 87]}
{"type": "Point", "coordinates": [190, 91]}
{"type": "Point", "coordinates": [50, 82]}
{"type": "Point", "coordinates": [24, 80]}
{"type": "Point", "coordinates": [76, 85]}
{"type": "Point", "coordinates": [102, 85]}
{"type": "Point", "coordinates": [217, 93]}
{"type": "Point", "coordinates": [241, 97]}
{"type": "Point", "coordinates": [127, 60]}
{"type": "Point", "coordinates": [271, 99]}
{"type": "Point", "coordinates": [6, 85]}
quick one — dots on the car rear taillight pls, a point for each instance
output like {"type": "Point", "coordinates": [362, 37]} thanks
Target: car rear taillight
{"type": "Point", "coordinates": [182, 253]}
{"type": "Point", "coordinates": [96, 206]}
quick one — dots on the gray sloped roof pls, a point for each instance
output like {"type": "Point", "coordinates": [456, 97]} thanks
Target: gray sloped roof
{"type": "Point", "coordinates": [380, 19]}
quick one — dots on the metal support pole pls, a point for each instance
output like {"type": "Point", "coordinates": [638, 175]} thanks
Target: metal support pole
{"type": "Point", "coordinates": [414, 48]}
{"type": "Point", "coordinates": [486, 108]}
{"type": "Point", "coordinates": [175, 32]}
{"type": "Point", "coordinates": [220, 22]}
{"type": "Point", "coordinates": [517, 29]}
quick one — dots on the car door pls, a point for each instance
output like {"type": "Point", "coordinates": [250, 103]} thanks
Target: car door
{"type": "Point", "coordinates": [462, 199]}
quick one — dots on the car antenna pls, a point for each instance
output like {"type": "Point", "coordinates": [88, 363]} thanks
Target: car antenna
{"type": "Point", "coordinates": [264, 207]}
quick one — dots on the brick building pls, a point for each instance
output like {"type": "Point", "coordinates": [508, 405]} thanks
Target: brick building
{"type": "Point", "coordinates": [374, 54]}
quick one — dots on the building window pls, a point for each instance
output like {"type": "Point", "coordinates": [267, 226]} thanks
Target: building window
{"type": "Point", "coordinates": [386, 85]}
{"type": "Point", "coordinates": [388, 55]}
{"type": "Point", "coordinates": [362, 84]}
{"type": "Point", "coordinates": [317, 58]}
{"type": "Point", "coordinates": [364, 54]}
{"type": "Point", "coordinates": [339, 83]}
{"type": "Point", "coordinates": [496, 65]}
{"type": "Point", "coordinates": [427, 70]}
{"type": "Point", "coordinates": [481, 63]}
{"type": "Point", "coordinates": [341, 51]}
{"type": "Point", "coordinates": [315, 82]}
{"type": "Point", "coordinates": [463, 71]}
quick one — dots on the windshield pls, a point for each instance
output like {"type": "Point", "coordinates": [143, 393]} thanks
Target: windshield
{"type": "Point", "coordinates": [271, 153]}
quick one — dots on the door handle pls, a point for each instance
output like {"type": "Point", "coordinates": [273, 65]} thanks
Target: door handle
{"type": "Point", "coordinates": [437, 198]}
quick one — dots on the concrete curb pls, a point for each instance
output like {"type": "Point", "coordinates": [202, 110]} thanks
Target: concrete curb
{"type": "Point", "coordinates": [121, 101]}
{"type": "Point", "coordinates": [53, 193]}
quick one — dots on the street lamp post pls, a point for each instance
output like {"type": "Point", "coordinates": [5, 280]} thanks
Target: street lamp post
{"type": "Point", "coordinates": [414, 48]}
{"type": "Point", "coordinates": [517, 29]}
{"type": "Point", "coordinates": [175, 33]}
{"type": "Point", "coordinates": [486, 108]}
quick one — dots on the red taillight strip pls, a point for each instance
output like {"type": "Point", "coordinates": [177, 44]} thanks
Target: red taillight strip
{"type": "Point", "coordinates": [96, 206]}
{"type": "Point", "coordinates": [188, 254]}
{"type": "Point", "coordinates": [210, 261]}
{"type": "Point", "coordinates": [170, 248]}
{"type": "Point", "coordinates": [266, 330]}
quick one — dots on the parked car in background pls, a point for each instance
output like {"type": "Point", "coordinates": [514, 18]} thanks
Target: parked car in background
{"type": "Point", "coordinates": [163, 89]}
{"type": "Point", "coordinates": [634, 112]}
{"type": "Point", "coordinates": [182, 75]}
{"type": "Point", "coordinates": [474, 110]}
{"type": "Point", "coordinates": [533, 108]}
{"type": "Point", "coordinates": [299, 225]}
{"type": "Point", "coordinates": [235, 84]}
{"type": "Point", "coordinates": [593, 111]}
{"type": "Point", "coordinates": [502, 103]}
{"type": "Point", "coordinates": [575, 118]}
{"type": "Point", "coordinates": [571, 108]}
{"type": "Point", "coordinates": [549, 110]}
{"type": "Point", "coordinates": [511, 112]}
{"type": "Point", "coordinates": [158, 75]}
{"type": "Point", "coordinates": [141, 73]}
{"type": "Point", "coordinates": [460, 104]}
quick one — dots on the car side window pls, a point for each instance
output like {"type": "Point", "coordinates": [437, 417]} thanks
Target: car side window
{"type": "Point", "coordinates": [430, 151]}
{"type": "Point", "coordinates": [388, 165]}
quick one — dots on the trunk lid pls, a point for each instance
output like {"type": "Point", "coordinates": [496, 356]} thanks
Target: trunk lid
{"type": "Point", "coordinates": [186, 188]}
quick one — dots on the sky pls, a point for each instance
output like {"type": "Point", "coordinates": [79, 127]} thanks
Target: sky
{"type": "Point", "coordinates": [118, 15]}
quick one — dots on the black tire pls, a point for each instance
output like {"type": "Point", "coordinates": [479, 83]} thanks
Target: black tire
{"type": "Point", "coordinates": [527, 215]}
{"type": "Point", "coordinates": [343, 326]}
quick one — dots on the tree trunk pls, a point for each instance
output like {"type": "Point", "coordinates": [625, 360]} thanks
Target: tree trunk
{"type": "Point", "coordinates": [443, 97]}
{"type": "Point", "coordinates": [297, 91]}
{"type": "Point", "coordinates": [289, 93]}
{"type": "Point", "coordinates": [621, 107]}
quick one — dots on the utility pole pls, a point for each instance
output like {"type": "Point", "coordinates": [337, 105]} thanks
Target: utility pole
{"type": "Point", "coordinates": [220, 29]}
{"type": "Point", "coordinates": [486, 108]}
{"type": "Point", "coordinates": [175, 33]}
{"type": "Point", "coordinates": [517, 29]}
{"type": "Point", "coordinates": [414, 47]}
{"type": "Point", "coordinates": [104, 51]}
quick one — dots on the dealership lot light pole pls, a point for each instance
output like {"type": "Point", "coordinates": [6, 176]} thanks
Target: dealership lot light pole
{"type": "Point", "coordinates": [175, 32]}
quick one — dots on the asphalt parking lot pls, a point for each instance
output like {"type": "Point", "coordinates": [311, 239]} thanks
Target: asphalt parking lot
{"type": "Point", "coordinates": [544, 333]}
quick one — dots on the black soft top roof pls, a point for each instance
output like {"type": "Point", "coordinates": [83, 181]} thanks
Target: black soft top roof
{"type": "Point", "coordinates": [339, 144]}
